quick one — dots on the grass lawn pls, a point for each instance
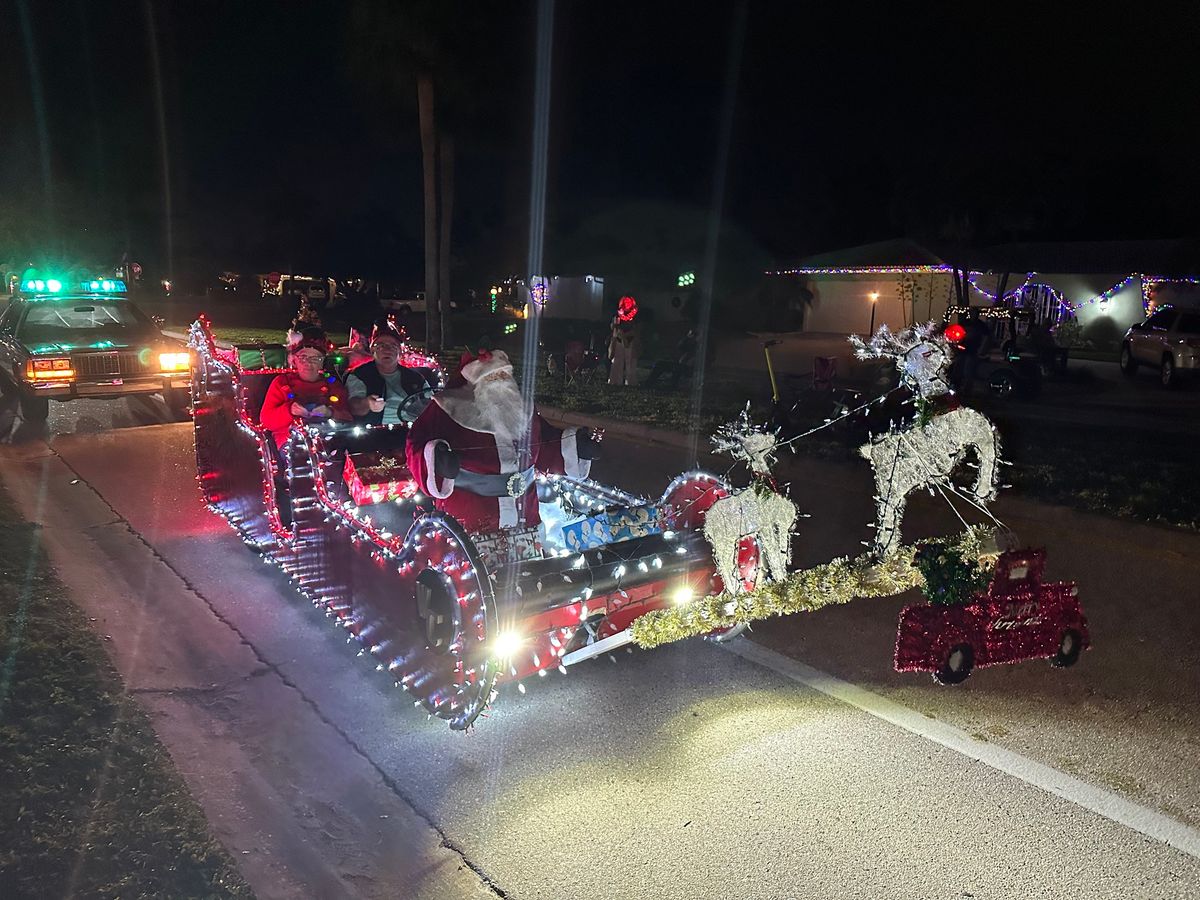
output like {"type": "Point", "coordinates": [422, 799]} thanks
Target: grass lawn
{"type": "Point", "coordinates": [236, 335]}
{"type": "Point", "coordinates": [90, 803]}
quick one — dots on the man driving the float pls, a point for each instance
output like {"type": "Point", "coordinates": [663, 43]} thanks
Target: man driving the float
{"type": "Point", "coordinates": [476, 449]}
{"type": "Point", "coordinates": [380, 390]}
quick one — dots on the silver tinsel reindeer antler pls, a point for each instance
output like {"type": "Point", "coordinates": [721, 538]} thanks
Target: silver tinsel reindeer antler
{"type": "Point", "coordinates": [921, 353]}
{"type": "Point", "coordinates": [747, 442]}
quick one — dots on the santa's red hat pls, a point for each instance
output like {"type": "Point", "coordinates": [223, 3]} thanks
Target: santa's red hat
{"type": "Point", "coordinates": [488, 362]}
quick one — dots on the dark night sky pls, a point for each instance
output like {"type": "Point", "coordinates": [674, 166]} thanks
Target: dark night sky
{"type": "Point", "coordinates": [853, 123]}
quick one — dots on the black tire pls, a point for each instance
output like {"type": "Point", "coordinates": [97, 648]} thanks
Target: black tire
{"type": "Point", "coordinates": [1167, 375]}
{"type": "Point", "coordinates": [957, 665]}
{"type": "Point", "coordinates": [179, 402]}
{"type": "Point", "coordinates": [1129, 365]}
{"type": "Point", "coordinates": [34, 408]}
{"type": "Point", "coordinates": [1070, 645]}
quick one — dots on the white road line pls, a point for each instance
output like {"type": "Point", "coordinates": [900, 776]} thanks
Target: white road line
{"type": "Point", "coordinates": [1145, 821]}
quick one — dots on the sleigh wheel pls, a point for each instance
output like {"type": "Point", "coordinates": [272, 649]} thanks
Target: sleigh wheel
{"type": "Point", "coordinates": [688, 498]}
{"type": "Point", "coordinates": [445, 660]}
{"type": "Point", "coordinates": [749, 560]}
{"type": "Point", "coordinates": [724, 635]}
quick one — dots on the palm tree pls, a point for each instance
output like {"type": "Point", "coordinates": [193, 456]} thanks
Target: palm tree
{"type": "Point", "coordinates": [394, 48]}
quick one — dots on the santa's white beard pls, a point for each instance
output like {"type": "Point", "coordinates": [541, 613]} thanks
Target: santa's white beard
{"type": "Point", "coordinates": [501, 408]}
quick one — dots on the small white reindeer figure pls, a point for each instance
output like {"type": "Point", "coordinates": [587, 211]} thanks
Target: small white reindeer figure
{"type": "Point", "coordinates": [758, 511]}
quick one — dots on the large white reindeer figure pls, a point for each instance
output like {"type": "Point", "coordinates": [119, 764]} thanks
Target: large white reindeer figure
{"type": "Point", "coordinates": [924, 453]}
{"type": "Point", "coordinates": [758, 511]}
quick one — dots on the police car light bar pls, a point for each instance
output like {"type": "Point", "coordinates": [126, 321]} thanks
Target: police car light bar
{"type": "Point", "coordinates": [55, 286]}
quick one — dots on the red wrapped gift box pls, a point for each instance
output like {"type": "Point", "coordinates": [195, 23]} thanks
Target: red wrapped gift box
{"type": "Point", "coordinates": [374, 477]}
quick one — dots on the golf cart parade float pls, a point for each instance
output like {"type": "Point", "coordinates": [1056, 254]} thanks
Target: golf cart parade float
{"type": "Point", "coordinates": [451, 616]}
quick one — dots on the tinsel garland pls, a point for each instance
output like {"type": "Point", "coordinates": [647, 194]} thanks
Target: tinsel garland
{"type": "Point", "coordinates": [838, 581]}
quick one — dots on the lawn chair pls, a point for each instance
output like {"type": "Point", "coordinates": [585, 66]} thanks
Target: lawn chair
{"type": "Point", "coordinates": [580, 364]}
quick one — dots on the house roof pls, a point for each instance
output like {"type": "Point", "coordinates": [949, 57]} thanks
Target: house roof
{"type": "Point", "coordinates": [897, 252]}
{"type": "Point", "coordinates": [1169, 258]}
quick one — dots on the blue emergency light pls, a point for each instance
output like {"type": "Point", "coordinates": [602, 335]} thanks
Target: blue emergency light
{"type": "Point", "coordinates": [104, 286]}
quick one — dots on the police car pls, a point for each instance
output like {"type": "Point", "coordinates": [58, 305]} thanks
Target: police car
{"type": "Point", "coordinates": [64, 337]}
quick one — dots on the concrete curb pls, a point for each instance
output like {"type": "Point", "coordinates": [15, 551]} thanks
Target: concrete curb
{"type": "Point", "coordinates": [634, 431]}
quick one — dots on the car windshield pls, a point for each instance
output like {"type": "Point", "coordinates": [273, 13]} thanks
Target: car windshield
{"type": "Point", "coordinates": [68, 320]}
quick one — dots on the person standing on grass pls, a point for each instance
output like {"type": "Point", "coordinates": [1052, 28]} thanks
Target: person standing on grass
{"type": "Point", "coordinates": [623, 345]}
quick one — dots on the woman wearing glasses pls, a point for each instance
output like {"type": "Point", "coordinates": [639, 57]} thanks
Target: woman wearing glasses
{"type": "Point", "coordinates": [307, 393]}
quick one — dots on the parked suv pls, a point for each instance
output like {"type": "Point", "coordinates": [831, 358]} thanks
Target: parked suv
{"type": "Point", "coordinates": [1169, 340]}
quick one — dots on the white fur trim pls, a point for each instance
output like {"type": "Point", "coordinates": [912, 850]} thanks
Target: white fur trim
{"type": "Point", "coordinates": [573, 466]}
{"type": "Point", "coordinates": [431, 479]}
{"type": "Point", "coordinates": [508, 511]}
{"type": "Point", "coordinates": [478, 368]}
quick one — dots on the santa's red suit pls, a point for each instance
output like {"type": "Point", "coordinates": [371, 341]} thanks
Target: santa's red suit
{"type": "Point", "coordinates": [481, 421]}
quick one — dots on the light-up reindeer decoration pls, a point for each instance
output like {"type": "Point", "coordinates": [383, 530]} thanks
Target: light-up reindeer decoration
{"type": "Point", "coordinates": [758, 511]}
{"type": "Point", "coordinates": [925, 452]}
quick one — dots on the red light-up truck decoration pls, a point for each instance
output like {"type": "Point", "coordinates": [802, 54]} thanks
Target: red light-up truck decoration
{"type": "Point", "coordinates": [447, 614]}
{"type": "Point", "coordinates": [1017, 617]}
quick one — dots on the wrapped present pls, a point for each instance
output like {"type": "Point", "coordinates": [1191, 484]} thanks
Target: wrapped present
{"type": "Point", "coordinates": [612, 526]}
{"type": "Point", "coordinates": [499, 548]}
{"type": "Point", "coordinates": [374, 477]}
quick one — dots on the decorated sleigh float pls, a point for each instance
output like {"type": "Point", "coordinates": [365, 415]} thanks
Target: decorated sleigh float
{"type": "Point", "coordinates": [450, 615]}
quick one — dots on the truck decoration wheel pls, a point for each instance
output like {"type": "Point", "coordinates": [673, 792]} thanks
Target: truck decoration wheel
{"type": "Point", "coordinates": [956, 666]}
{"type": "Point", "coordinates": [1069, 647]}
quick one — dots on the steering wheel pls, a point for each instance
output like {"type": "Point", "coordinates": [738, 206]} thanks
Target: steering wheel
{"type": "Point", "coordinates": [414, 404]}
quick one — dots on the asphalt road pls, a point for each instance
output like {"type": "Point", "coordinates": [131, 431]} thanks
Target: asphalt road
{"type": "Point", "coordinates": [689, 771]}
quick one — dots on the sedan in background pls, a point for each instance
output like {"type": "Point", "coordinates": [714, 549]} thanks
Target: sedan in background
{"type": "Point", "coordinates": [63, 339]}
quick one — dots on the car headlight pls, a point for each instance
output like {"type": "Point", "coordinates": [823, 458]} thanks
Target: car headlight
{"type": "Point", "coordinates": [49, 369]}
{"type": "Point", "coordinates": [174, 362]}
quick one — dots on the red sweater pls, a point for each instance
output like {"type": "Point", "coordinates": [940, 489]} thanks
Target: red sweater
{"type": "Point", "coordinates": [289, 388]}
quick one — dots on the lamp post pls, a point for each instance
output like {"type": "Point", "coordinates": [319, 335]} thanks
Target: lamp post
{"type": "Point", "coordinates": [874, 295]}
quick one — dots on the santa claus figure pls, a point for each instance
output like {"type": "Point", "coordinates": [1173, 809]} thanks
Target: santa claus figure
{"type": "Point", "coordinates": [476, 449]}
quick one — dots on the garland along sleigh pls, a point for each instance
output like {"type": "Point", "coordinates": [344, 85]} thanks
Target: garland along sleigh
{"type": "Point", "coordinates": [449, 615]}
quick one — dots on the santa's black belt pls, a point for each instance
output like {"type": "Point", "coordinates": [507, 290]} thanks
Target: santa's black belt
{"type": "Point", "coordinates": [513, 484]}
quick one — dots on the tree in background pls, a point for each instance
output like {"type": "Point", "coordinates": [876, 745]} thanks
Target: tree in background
{"type": "Point", "coordinates": [394, 49]}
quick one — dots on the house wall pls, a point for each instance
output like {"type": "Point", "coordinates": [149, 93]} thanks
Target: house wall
{"type": "Point", "coordinates": [841, 304]}
{"type": "Point", "coordinates": [1101, 325]}
{"type": "Point", "coordinates": [570, 297]}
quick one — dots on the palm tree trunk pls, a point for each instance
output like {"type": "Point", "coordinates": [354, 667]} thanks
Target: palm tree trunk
{"type": "Point", "coordinates": [446, 161]}
{"type": "Point", "coordinates": [433, 313]}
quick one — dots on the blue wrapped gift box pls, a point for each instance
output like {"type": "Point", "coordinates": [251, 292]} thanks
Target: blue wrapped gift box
{"type": "Point", "coordinates": [611, 527]}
